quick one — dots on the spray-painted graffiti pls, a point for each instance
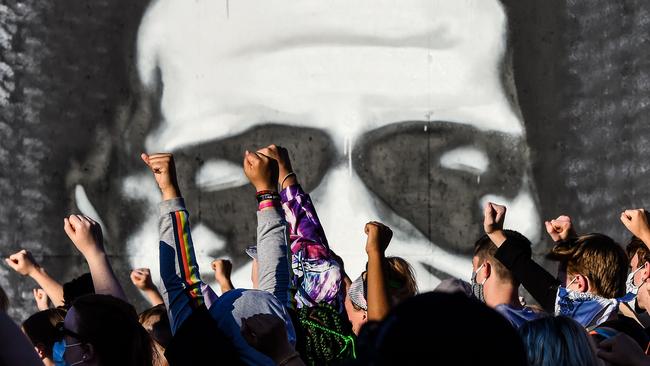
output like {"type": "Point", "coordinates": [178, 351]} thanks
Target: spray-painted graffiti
{"type": "Point", "coordinates": [401, 111]}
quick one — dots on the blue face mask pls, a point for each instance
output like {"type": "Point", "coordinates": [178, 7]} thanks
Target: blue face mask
{"type": "Point", "coordinates": [58, 350]}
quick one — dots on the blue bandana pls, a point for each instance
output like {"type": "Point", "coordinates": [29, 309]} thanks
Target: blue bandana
{"type": "Point", "coordinates": [586, 308]}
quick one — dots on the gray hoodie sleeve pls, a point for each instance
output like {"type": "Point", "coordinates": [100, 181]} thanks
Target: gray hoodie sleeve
{"type": "Point", "coordinates": [272, 255]}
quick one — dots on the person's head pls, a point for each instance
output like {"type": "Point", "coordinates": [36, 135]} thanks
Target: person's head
{"type": "Point", "coordinates": [156, 322]}
{"type": "Point", "coordinates": [400, 284]}
{"type": "Point", "coordinates": [41, 330]}
{"type": "Point", "coordinates": [639, 257]}
{"type": "Point", "coordinates": [104, 330]}
{"type": "Point", "coordinates": [559, 340]}
{"type": "Point", "coordinates": [77, 287]}
{"type": "Point", "coordinates": [494, 276]}
{"type": "Point", "coordinates": [324, 335]}
{"type": "Point", "coordinates": [439, 327]}
{"type": "Point", "coordinates": [592, 263]}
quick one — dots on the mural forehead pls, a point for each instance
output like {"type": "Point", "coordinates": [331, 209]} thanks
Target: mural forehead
{"type": "Point", "coordinates": [341, 66]}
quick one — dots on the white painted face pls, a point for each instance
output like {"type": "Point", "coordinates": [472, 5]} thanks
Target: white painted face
{"type": "Point", "coordinates": [368, 74]}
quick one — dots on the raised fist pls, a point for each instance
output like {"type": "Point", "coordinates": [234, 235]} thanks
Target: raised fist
{"type": "Point", "coordinates": [85, 233]}
{"type": "Point", "coordinates": [560, 229]}
{"type": "Point", "coordinates": [494, 216]}
{"type": "Point", "coordinates": [222, 269]}
{"type": "Point", "coordinates": [281, 155]}
{"type": "Point", "coordinates": [261, 170]}
{"type": "Point", "coordinates": [22, 262]}
{"type": "Point", "coordinates": [41, 299]}
{"type": "Point", "coordinates": [636, 221]}
{"type": "Point", "coordinates": [141, 278]}
{"type": "Point", "coordinates": [379, 236]}
{"type": "Point", "coordinates": [164, 170]}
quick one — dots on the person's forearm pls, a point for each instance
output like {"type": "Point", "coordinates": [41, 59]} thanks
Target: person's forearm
{"type": "Point", "coordinates": [272, 254]}
{"type": "Point", "coordinates": [104, 279]}
{"type": "Point", "coordinates": [378, 301]}
{"type": "Point", "coordinates": [52, 288]}
{"type": "Point", "coordinates": [226, 285]}
{"type": "Point", "coordinates": [153, 296]}
{"type": "Point", "coordinates": [304, 225]}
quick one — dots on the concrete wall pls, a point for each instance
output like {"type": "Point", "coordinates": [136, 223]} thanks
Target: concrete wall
{"type": "Point", "coordinates": [409, 112]}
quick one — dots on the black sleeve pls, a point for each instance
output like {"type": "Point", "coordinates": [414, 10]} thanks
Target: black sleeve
{"type": "Point", "coordinates": [541, 284]}
{"type": "Point", "coordinates": [200, 342]}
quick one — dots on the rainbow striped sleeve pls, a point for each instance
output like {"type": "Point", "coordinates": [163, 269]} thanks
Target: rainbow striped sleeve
{"type": "Point", "coordinates": [186, 258]}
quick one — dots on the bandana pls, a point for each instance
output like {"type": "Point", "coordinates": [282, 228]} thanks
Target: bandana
{"type": "Point", "coordinates": [357, 293]}
{"type": "Point", "coordinates": [586, 308]}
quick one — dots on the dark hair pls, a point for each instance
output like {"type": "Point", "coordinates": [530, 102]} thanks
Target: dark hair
{"type": "Point", "coordinates": [599, 258]}
{"type": "Point", "coordinates": [111, 326]}
{"type": "Point", "coordinates": [41, 328]}
{"type": "Point", "coordinates": [156, 322]}
{"type": "Point", "coordinates": [77, 287]}
{"type": "Point", "coordinates": [637, 246]}
{"type": "Point", "coordinates": [484, 249]}
{"type": "Point", "coordinates": [438, 327]}
{"type": "Point", "coordinates": [325, 336]}
{"type": "Point", "coordinates": [557, 340]}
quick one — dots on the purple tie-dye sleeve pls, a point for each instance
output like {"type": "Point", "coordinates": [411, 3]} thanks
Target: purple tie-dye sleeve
{"type": "Point", "coordinates": [317, 275]}
{"type": "Point", "coordinates": [306, 231]}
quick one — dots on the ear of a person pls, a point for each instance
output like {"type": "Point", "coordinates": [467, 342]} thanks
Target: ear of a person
{"type": "Point", "coordinates": [583, 283]}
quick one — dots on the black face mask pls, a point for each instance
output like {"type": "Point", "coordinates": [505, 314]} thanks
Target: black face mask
{"type": "Point", "coordinates": [477, 288]}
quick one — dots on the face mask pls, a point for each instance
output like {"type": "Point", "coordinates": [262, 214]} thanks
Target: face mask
{"type": "Point", "coordinates": [629, 283]}
{"type": "Point", "coordinates": [58, 350]}
{"type": "Point", "coordinates": [477, 288]}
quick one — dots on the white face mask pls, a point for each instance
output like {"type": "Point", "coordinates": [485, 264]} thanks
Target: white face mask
{"type": "Point", "coordinates": [630, 287]}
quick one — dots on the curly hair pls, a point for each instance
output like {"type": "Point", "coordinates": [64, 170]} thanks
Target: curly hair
{"type": "Point", "coordinates": [325, 336]}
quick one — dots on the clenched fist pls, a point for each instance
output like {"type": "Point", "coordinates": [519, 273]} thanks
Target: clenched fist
{"type": "Point", "coordinates": [636, 221]}
{"type": "Point", "coordinates": [141, 278]}
{"type": "Point", "coordinates": [85, 233]}
{"type": "Point", "coordinates": [22, 262]}
{"type": "Point", "coordinates": [379, 236]}
{"type": "Point", "coordinates": [281, 155]}
{"type": "Point", "coordinates": [164, 171]}
{"type": "Point", "coordinates": [494, 217]}
{"type": "Point", "coordinates": [261, 170]}
{"type": "Point", "coordinates": [560, 229]}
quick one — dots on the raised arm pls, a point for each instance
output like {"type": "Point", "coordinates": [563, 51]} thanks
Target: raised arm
{"type": "Point", "coordinates": [273, 271]}
{"type": "Point", "coordinates": [379, 236]}
{"type": "Point", "coordinates": [222, 269]}
{"type": "Point", "coordinates": [141, 278]}
{"type": "Point", "coordinates": [179, 270]}
{"type": "Point", "coordinates": [23, 263]}
{"type": "Point", "coordinates": [538, 281]}
{"type": "Point", "coordinates": [86, 234]}
{"type": "Point", "coordinates": [636, 221]}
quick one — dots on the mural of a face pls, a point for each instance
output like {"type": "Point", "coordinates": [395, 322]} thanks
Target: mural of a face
{"type": "Point", "coordinates": [392, 110]}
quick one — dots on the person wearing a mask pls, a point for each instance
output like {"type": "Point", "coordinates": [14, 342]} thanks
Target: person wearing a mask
{"type": "Point", "coordinates": [638, 253]}
{"type": "Point", "coordinates": [495, 285]}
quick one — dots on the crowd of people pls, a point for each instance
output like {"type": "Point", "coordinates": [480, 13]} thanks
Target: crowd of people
{"type": "Point", "coordinates": [305, 309]}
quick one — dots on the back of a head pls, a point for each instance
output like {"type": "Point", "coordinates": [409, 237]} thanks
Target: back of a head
{"type": "Point", "coordinates": [445, 328]}
{"type": "Point", "coordinates": [111, 326]}
{"type": "Point", "coordinates": [324, 335]}
{"type": "Point", "coordinates": [41, 329]}
{"type": "Point", "coordinates": [156, 321]}
{"type": "Point", "coordinates": [400, 279]}
{"type": "Point", "coordinates": [637, 246]}
{"type": "Point", "coordinates": [559, 340]}
{"type": "Point", "coordinates": [77, 287]}
{"type": "Point", "coordinates": [597, 257]}
{"type": "Point", "coordinates": [484, 249]}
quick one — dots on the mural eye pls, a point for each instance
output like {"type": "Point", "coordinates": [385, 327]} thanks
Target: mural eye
{"type": "Point", "coordinates": [466, 158]}
{"type": "Point", "coordinates": [218, 174]}
{"type": "Point", "coordinates": [457, 165]}
{"type": "Point", "coordinates": [218, 193]}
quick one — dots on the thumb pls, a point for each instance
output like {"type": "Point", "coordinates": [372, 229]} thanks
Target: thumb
{"type": "Point", "coordinates": [67, 227]}
{"type": "Point", "coordinates": [549, 227]}
{"type": "Point", "coordinates": [11, 263]}
{"type": "Point", "coordinates": [145, 158]}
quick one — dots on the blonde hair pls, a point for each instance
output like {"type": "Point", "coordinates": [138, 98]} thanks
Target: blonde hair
{"type": "Point", "coordinates": [401, 282]}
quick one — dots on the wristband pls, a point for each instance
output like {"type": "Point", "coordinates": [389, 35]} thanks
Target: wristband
{"type": "Point", "coordinates": [267, 196]}
{"type": "Point", "coordinates": [267, 204]}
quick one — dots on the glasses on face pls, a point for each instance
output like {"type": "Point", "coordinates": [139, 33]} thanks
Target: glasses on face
{"type": "Point", "coordinates": [60, 327]}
